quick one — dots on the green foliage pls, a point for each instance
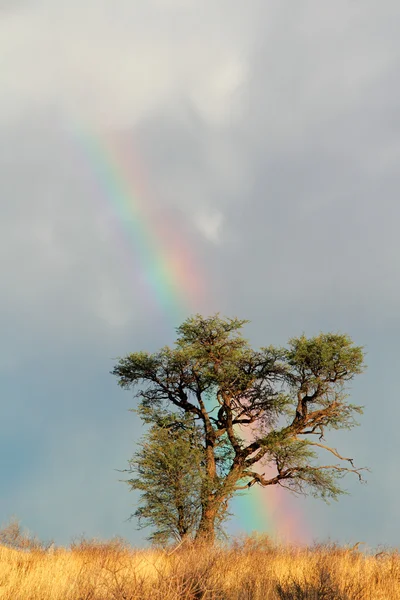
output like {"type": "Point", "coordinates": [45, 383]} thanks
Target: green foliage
{"type": "Point", "coordinates": [297, 458]}
{"type": "Point", "coordinates": [168, 469]}
{"type": "Point", "coordinates": [169, 473]}
{"type": "Point", "coordinates": [282, 397]}
{"type": "Point", "coordinates": [327, 357]}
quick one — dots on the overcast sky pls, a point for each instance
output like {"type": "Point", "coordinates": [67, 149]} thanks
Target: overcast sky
{"type": "Point", "coordinates": [267, 134]}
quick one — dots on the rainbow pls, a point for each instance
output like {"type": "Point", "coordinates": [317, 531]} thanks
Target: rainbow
{"type": "Point", "coordinates": [153, 247]}
{"type": "Point", "coordinates": [271, 510]}
{"type": "Point", "coordinates": [150, 242]}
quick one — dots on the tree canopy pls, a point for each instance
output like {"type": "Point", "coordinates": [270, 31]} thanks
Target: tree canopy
{"type": "Point", "coordinates": [284, 399]}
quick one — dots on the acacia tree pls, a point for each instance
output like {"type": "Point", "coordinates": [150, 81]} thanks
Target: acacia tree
{"type": "Point", "coordinates": [283, 397]}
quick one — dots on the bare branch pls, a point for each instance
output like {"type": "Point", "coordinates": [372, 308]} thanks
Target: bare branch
{"type": "Point", "coordinates": [332, 450]}
{"type": "Point", "coordinates": [343, 470]}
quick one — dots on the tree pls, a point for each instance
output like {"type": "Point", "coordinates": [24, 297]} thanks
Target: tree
{"type": "Point", "coordinates": [169, 470]}
{"type": "Point", "coordinates": [283, 397]}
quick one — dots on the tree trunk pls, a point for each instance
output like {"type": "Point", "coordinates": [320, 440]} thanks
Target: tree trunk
{"type": "Point", "coordinates": [181, 525]}
{"type": "Point", "coordinates": [209, 510]}
{"type": "Point", "coordinates": [206, 530]}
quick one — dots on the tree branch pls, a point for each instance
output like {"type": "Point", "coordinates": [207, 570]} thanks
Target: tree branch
{"type": "Point", "coordinates": [294, 473]}
{"type": "Point", "coordinates": [332, 450]}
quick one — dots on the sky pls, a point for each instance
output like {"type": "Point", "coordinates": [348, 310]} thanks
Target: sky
{"type": "Point", "coordinates": [266, 137]}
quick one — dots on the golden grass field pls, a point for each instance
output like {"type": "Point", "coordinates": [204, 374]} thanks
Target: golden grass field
{"type": "Point", "coordinates": [252, 569]}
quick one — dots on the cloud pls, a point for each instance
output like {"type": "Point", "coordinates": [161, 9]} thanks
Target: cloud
{"type": "Point", "coordinates": [63, 269]}
{"type": "Point", "coordinates": [116, 67]}
{"type": "Point", "coordinates": [210, 225]}
{"type": "Point", "coordinates": [260, 137]}
{"type": "Point", "coordinates": [10, 7]}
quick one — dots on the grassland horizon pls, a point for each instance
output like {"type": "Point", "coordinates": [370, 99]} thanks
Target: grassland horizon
{"type": "Point", "coordinates": [249, 568]}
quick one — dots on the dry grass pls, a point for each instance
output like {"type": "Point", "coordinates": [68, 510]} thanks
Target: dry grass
{"type": "Point", "coordinates": [251, 570]}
